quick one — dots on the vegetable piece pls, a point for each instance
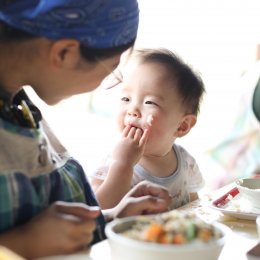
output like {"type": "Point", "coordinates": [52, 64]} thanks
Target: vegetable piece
{"type": "Point", "coordinates": [153, 233]}
{"type": "Point", "coordinates": [191, 232]}
{"type": "Point", "coordinates": [179, 239]}
{"type": "Point", "coordinates": [205, 234]}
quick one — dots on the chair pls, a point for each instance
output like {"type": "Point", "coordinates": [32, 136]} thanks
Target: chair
{"type": "Point", "coordinates": [256, 101]}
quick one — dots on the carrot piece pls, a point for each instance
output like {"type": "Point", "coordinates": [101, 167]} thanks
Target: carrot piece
{"type": "Point", "coordinates": [178, 239]}
{"type": "Point", "coordinates": [205, 235]}
{"type": "Point", "coordinates": [163, 239]}
{"type": "Point", "coordinates": [153, 232]}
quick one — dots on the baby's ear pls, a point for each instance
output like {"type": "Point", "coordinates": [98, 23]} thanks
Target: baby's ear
{"type": "Point", "coordinates": [188, 121]}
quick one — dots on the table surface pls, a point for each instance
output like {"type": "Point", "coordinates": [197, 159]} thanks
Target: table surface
{"type": "Point", "coordinates": [241, 240]}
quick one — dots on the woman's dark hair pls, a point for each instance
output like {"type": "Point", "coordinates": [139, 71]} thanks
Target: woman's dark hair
{"type": "Point", "coordinates": [4, 3]}
{"type": "Point", "coordinates": [94, 54]}
{"type": "Point", "coordinates": [11, 34]}
{"type": "Point", "coordinates": [188, 84]}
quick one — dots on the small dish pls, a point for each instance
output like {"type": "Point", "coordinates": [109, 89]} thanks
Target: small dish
{"type": "Point", "coordinates": [249, 188]}
{"type": "Point", "coordinates": [233, 204]}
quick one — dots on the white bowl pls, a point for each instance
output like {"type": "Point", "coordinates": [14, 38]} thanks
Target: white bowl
{"type": "Point", "coordinates": [250, 190]}
{"type": "Point", "coordinates": [124, 248]}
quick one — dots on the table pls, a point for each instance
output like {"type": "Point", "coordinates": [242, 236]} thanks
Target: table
{"type": "Point", "coordinates": [241, 240]}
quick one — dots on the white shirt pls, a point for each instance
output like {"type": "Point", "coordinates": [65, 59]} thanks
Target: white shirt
{"type": "Point", "coordinates": [186, 179]}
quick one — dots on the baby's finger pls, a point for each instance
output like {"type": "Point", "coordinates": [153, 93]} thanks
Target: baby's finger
{"type": "Point", "coordinates": [138, 134]}
{"type": "Point", "coordinates": [126, 130]}
{"type": "Point", "coordinates": [144, 137]}
{"type": "Point", "coordinates": [132, 132]}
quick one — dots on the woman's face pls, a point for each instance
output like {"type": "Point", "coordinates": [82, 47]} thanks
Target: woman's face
{"type": "Point", "coordinates": [147, 93]}
{"type": "Point", "coordinates": [61, 72]}
{"type": "Point", "coordinates": [90, 77]}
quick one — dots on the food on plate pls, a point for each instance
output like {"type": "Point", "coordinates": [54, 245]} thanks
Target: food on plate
{"type": "Point", "coordinates": [172, 228]}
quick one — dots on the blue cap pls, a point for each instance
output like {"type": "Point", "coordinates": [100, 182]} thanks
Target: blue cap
{"type": "Point", "coordinates": [94, 23]}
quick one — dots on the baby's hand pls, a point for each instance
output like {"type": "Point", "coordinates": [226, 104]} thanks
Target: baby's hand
{"type": "Point", "coordinates": [131, 145]}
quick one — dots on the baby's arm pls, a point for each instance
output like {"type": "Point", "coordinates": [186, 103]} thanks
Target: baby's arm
{"type": "Point", "coordinates": [126, 154]}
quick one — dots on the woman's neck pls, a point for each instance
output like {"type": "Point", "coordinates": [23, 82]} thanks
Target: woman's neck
{"type": "Point", "coordinates": [11, 70]}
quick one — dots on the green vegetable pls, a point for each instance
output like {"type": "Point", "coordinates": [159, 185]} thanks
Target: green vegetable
{"type": "Point", "coordinates": [191, 231]}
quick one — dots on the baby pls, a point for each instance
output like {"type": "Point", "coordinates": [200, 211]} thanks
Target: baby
{"type": "Point", "coordinates": [159, 102]}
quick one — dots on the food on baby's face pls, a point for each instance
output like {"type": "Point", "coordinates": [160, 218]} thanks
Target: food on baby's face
{"type": "Point", "coordinates": [172, 228]}
{"type": "Point", "coordinates": [149, 120]}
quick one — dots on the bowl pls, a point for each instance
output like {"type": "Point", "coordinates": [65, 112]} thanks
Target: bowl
{"type": "Point", "coordinates": [123, 247]}
{"type": "Point", "coordinates": [249, 188]}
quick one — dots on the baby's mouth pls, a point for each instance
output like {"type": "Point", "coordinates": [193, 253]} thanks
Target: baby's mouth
{"type": "Point", "coordinates": [132, 123]}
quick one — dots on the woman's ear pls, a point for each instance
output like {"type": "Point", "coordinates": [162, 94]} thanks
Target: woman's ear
{"type": "Point", "coordinates": [65, 53]}
{"type": "Point", "coordinates": [188, 121]}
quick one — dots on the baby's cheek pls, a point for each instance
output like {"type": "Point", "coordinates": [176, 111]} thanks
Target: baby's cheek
{"type": "Point", "coordinates": [120, 123]}
{"type": "Point", "coordinates": [156, 129]}
{"type": "Point", "coordinates": [153, 128]}
{"type": "Point", "coordinates": [153, 121]}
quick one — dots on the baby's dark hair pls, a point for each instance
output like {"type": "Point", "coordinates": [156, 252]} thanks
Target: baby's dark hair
{"type": "Point", "coordinates": [189, 84]}
{"type": "Point", "coordinates": [10, 34]}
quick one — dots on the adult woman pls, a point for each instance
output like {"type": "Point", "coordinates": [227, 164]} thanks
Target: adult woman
{"type": "Point", "coordinates": [60, 48]}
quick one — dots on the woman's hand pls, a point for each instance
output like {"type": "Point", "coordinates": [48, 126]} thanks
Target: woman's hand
{"type": "Point", "coordinates": [60, 229]}
{"type": "Point", "coordinates": [144, 198]}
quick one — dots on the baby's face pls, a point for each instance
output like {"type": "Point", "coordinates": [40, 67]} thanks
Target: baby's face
{"type": "Point", "coordinates": [148, 100]}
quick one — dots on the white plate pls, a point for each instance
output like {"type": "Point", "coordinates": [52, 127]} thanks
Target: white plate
{"type": "Point", "coordinates": [235, 206]}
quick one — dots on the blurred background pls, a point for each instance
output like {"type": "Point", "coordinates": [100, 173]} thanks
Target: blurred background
{"type": "Point", "coordinates": [219, 39]}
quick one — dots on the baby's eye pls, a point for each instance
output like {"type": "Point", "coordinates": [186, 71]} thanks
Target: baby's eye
{"type": "Point", "coordinates": [149, 102]}
{"type": "Point", "coordinates": [126, 99]}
